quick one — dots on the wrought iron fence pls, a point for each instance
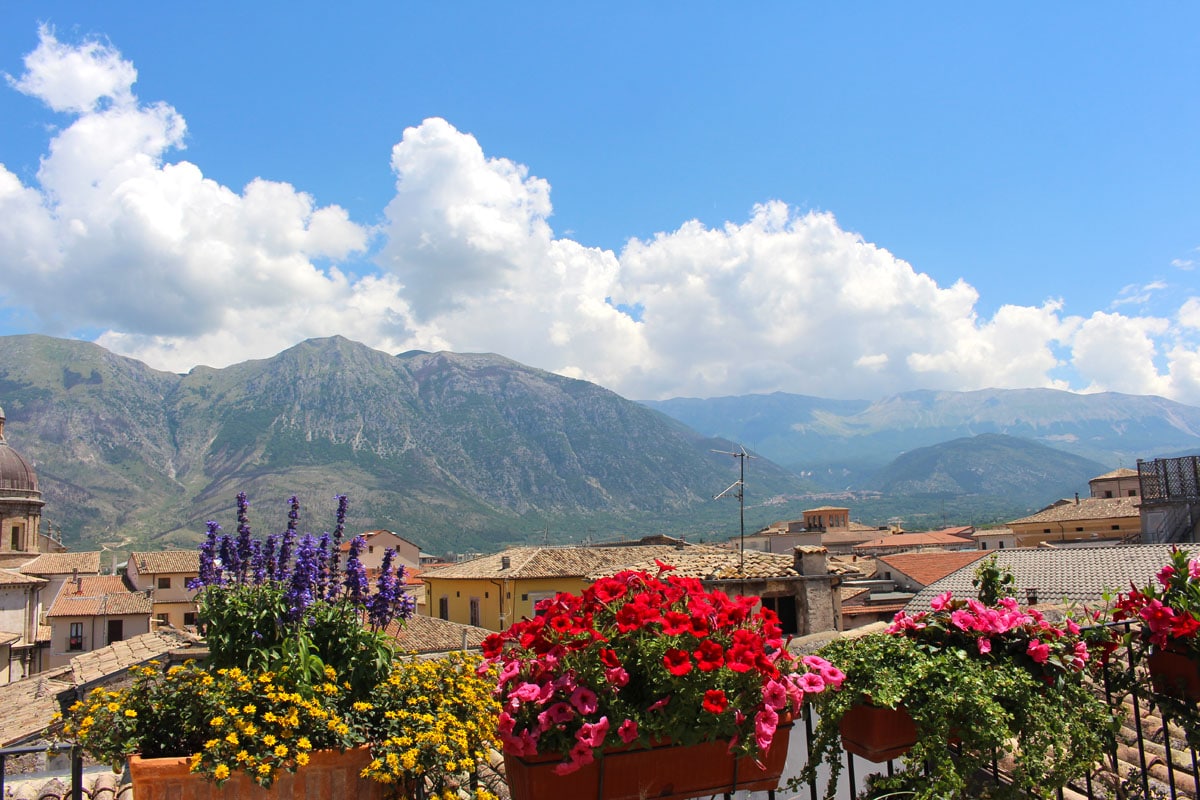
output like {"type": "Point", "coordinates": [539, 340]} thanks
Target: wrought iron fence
{"type": "Point", "coordinates": [1148, 760]}
{"type": "Point", "coordinates": [1169, 479]}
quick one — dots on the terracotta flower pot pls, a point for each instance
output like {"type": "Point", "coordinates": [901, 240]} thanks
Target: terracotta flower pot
{"type": "Point", "coordinates": [669, 772]}
{"type": "Point", "coordinates": [329, 775]}
{"type": "Point", "coordinates": [1174, 672]}
{"type": "Point", "coordinates": [877, 733]}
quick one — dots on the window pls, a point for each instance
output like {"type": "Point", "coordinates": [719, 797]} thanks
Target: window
{"type": "Point", "coordinates": [1107, 493]}
{"type": "Point", "coordinates": [16, 537]}
{"type": "Point", "coordinates": [983, 545]}
{"type": "Point", "coordinates": [116, 630]}
{"type": "Point", "coordinates": [1133, 492]}
{"type": "Point", "coordinates": [1079, 530]}
{"type": "Point", "coordinates": [189, 618]}
{"type": "Point", "coordinates": [475, 611]}
{"type": "Point", "coordinates": [444, 607]}
{"type": "Point", "coordinates": [75, 640]}
{"type": "Point", "coordinates": [1116, 527]}
{"type": "Point", "coordinates": [163, 619]}
{"type": "Point", "coordinates": [370, 548]}
{"type": "Point", "coordinates": [1001, 545]}
{"type": "Point", "coordinates": [164, 583]}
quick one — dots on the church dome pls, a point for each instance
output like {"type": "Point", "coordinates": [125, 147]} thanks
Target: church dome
{"type": "Point", "coordinates": [15, 472]}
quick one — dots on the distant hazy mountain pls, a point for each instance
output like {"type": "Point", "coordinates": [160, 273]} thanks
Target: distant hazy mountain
{"type": "Point", "coordinates": [990, 464]}
{"type": "Point", "coordinates": [842, 443]}
{"type": "Point", "coordinates": [452, 451]}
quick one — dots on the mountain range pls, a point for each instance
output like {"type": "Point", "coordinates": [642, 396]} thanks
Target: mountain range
{"type": "Point", "coordinates": [474, 452]}
{"type": "Point", "coordinates": [455, 452]}
{"type": "Point", "coordinates": [844, 444]}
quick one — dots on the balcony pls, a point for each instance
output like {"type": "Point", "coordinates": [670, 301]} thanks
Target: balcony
{"type": "Point", "coordinates": [1150, 760]}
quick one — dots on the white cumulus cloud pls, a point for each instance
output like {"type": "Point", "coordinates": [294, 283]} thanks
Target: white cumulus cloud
{"type": "Point", "coordinates": [178, 270]}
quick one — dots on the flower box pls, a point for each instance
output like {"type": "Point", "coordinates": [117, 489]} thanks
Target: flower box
{"type": "Point", "coordinates": [878, 733]}
{"type": "Point", "coordinates": [329, 775]}
{"type": "Point", "coordinates": [667, 772]}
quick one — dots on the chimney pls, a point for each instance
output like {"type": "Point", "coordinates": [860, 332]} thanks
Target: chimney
{"type": "Point", "coordinates": [1077, 498]}
{"type": "Point", "coordinates": [505, 562]}
{"type": "Point", "coordinates": [78, 581]}
{"type": "Point", "coordinates": [1031, 596]}
{"type": "Point", "coordinates": [808, 559]}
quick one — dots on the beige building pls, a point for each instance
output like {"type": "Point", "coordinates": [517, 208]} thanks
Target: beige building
{"type": "Point", "coordinates": [21, 636]}
{"type": "Point", "coordinates": [378, 542]}
{"type": "Point", "coordinates": [164, 576]}
{"type": "Point", "coordinates": [1122, 482]}
{"type": "Point", "coordinates": [94, 612]}
{"type": "Point", "coordinates": [494, 591]}
{"type": "Point", "coordinates": [827, 518]}
{"type": "Point", "coordinates": [1078, 521]}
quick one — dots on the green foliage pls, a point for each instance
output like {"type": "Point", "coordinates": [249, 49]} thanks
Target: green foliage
{"type": "Point", "coordinates": [993, 582]}
{"type": "Point", "coordinates": [1055, 732]}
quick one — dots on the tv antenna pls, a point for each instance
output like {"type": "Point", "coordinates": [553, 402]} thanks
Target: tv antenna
{"type": "Point", "coordinates": [738, 488]}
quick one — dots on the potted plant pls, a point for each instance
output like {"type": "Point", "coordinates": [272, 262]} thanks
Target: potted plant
{"type": "Point", "coordinates": [978, 681]}
{"type": "Point", "coordinates": [602, 691]}
{"type": "Point", "coordinates": [300, 676]}
{"type": "Point", "coordinates": [1168, 613]}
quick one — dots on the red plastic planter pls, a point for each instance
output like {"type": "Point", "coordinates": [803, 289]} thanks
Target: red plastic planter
{"type": "Point", "coordinates": [669, 772]}
{"type": "Point", "coordinates": [876, 733]}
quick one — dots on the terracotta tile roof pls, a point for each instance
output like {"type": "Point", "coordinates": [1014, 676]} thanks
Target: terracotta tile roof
{"type": "Point", "coordinates": [1123, 472]}
{"type": "Point", "coordinates": [888, 609]}
{"type": "Point", "coordinates": [99, 595]}
{"type": "Point", "coordinates": [118, 657]}
{"type": "Point", "coordinates": [914, 540]}
{"type": "Point", "coordinates": [1087, 508]}
{"type": "Point", "coordinates": [185, 562]}
{"type": "Point", "coordinates": [8, 637]}
{"type": "Point", "coordinates": [29, 704]}
{"type": "Point", "coordinates": [548, 562]}
{"type": "Point", "coordinates": [853, 592]}
{"type": "Point", "coordinates": [10, 577]}
{"type": "Point", "coordinates": [1075, 574]}
{"type": "Point", "coordinates": [925, 568]}
{"type": "Point", "coordinates": [826, 508]}
{"type": "Point", "coordinates": [63, 564]}
{"type": "Point", "coordinates": [992, 532]}
{"type": "Point", "coordinates": [713, 563]}
{"type": "Point", "coordinates": [422, 634]}
{"type": "Point", "coordinates": [833, 538]}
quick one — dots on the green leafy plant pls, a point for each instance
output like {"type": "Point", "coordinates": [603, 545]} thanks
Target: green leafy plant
{"type": "Point", "coordinates": [980, 681]}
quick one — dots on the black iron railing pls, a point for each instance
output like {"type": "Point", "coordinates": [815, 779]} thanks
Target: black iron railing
{"type": "Point", "coordinates": [1149, 758]}
{"type": "Point", "coordinates": [75, 788]}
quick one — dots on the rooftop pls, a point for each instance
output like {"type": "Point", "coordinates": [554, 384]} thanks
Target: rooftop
{"type": "Point", "coordinates": [182, 562]}
{"type": "Point", "coordinates": [63, 564]}
{"type": "Point", "coordinates": [549, 562]}
{"type": "Point", "coordinates": [914, 540]}
{"type": "Point", "coordinates": [422, 634]}
{"type": "Point", "coordinates": [1085, 509]}
{"type": "Point", "coordinates": [926, 568]}
{"type": "Point", "coordinates": [1079, 575]}
{"type": "Point", "coordinates": [713, 564]}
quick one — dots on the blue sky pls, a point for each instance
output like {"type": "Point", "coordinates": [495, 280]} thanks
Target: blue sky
{"type": "Point", "coordinates": [839, 201]}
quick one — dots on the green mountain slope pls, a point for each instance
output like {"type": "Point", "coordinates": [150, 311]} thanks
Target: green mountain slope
{"type": "Point", "coordinates": [989, 465]}
{"type": "Point", "coordinates": [452, 451]}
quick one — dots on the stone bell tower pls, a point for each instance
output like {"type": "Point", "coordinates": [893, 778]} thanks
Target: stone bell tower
{"type": "Point", "coordinates": [20, 501]}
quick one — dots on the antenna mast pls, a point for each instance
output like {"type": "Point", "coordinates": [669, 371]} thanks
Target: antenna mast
{"type": "Point", "coordinates": [740, 486]}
